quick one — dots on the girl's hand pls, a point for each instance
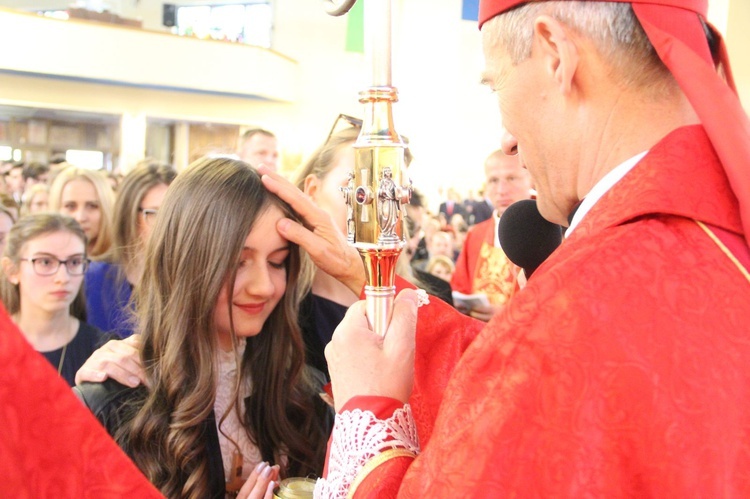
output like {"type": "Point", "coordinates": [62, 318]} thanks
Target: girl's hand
{"type": "Point", "coordinates": [260, 483]}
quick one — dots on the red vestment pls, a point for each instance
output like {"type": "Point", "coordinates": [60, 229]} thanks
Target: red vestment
{"type": "Point", "coordinates": [620, 370]}
{"type": "Point", "coordinates": [483, 268]}
{"type": "Point", "coordinates": [51, 445]}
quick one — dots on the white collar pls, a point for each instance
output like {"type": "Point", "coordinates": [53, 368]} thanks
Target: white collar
{"type": "Point", "coordinates": [496, 223]}
{"type": "Point", "coordinates": [601, 188]}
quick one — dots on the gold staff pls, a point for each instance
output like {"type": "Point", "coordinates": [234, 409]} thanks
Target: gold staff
{"type": "Point", "coordinates": [376, 192]}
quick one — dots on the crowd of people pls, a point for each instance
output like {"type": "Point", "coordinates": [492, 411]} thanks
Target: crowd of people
{"type": "Point", "coordinates": [200, 315]}
{"type": "Point", "coordinates": [97, 280]}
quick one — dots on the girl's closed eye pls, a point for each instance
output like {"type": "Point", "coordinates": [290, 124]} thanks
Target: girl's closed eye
{"type": "Point", "coordinates": [278, 265]}
{"type": "Point", "coordinates": [278, 259]}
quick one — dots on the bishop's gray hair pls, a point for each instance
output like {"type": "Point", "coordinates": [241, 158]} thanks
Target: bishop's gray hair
{"type": "Point", "coordinates": [611, 26]}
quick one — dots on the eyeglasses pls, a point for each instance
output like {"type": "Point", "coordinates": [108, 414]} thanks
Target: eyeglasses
{"type": "Point", "coordinates": [149, 214]}
{"type": "Point", "coordinates": [351, 120]}
{"type": "Point", "coordinates": [49, 265]}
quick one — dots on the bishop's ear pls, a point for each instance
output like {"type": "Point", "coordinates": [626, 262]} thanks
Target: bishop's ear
{"type": "Point", "coordinates": [558, 49]}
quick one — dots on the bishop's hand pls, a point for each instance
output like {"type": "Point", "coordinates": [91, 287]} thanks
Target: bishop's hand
{"type": "Point", "coordinates": [363, 363]}
{"type": "Point", "coordinates": [319, 236]}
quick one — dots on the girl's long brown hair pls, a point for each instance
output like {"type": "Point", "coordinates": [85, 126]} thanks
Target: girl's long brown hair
{"type": "Point", "coordinates": [191, 255]}
{"type": "Point", "coordinates": [126, 246]}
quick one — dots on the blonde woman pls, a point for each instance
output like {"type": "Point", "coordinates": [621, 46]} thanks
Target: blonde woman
{"type": "Point", "coordinates": [441, 266]}
{"type": "Point", "coordinates": [35, 199]}
{"type": "Point", "coordinates": [86, 196]}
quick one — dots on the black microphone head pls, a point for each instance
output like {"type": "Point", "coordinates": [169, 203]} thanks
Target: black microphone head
{"type": "Point", "coordinates": [526, 237]}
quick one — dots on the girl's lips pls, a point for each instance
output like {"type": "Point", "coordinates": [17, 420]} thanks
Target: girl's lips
{"type": "Point", "coordinates": [60, 294]}
{"type": "Point", "coordinates": [251, 308]}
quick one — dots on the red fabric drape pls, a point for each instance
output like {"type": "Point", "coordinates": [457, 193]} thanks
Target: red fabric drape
{"type": "Point", "coordinates": [51, 445]}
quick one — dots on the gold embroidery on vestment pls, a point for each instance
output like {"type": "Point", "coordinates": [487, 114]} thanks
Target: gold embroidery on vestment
{"type": "Point", "coordinates": [494, 275]}
{"type": "Point", "coordinates": [374, 463]}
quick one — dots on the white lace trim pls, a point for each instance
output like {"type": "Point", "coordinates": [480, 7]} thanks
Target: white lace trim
{"type": "Point", "coordinates": [359, 436]}
{"type": "Point", "coordinates": [422, 298]}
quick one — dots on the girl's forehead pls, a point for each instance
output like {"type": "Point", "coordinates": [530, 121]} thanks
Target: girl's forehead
{"type": "Point", "coordinates": [264, 234]}
{"type": "Point", "coordinates": [58, 240]}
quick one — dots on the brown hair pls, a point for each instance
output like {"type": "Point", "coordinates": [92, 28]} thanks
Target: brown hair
{"type": "Point", "coordinates": [191, 256]}
{"type": "Point", "coordinates": [135, 185]}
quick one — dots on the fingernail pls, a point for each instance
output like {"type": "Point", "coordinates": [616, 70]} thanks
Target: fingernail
{"type": "Point", "coordinates": [100, 376]}
{"type": "Point", "coordinates": [283, 225]}
{"type": "Point", "coordinates": [260, 466]}
{"type": "Point", "coordinates": [267, 472]}
{"type": "Point", "coordinates": [133, 381]}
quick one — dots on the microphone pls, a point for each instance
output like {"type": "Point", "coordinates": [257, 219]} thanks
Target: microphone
{"type": "Point", "coordinates": [526, 237]}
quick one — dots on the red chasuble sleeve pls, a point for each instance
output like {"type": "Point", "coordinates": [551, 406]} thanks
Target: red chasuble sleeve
{"type": "Point", "coordinates": [51, 444]}
{"type": "Point", "coordinates": [443, 334]}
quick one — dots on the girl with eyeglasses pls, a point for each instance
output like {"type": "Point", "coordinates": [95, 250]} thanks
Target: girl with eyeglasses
{"type": "Point", "coordinates": [228, 405]}
{"type": "Point", "coordinates": [44, 262]}
{"type": "Point", "coordinates": [110, 281]}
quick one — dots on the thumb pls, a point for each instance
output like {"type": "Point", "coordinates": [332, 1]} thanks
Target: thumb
{"type": "Point", "coordinates": [294, 232]}
{"type": "Point", "coordinates": [401, 331]}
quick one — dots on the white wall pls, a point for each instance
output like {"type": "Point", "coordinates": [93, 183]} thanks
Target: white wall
{"type": "Point", "coordinates": [452, 121]}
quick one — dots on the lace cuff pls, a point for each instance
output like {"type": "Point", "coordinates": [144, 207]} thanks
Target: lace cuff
{"type": "Point", "coordinates": [358, 436]}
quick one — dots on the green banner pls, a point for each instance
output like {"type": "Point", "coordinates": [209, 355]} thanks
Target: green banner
{"type": "Point", "coordinates": [355, 29]}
